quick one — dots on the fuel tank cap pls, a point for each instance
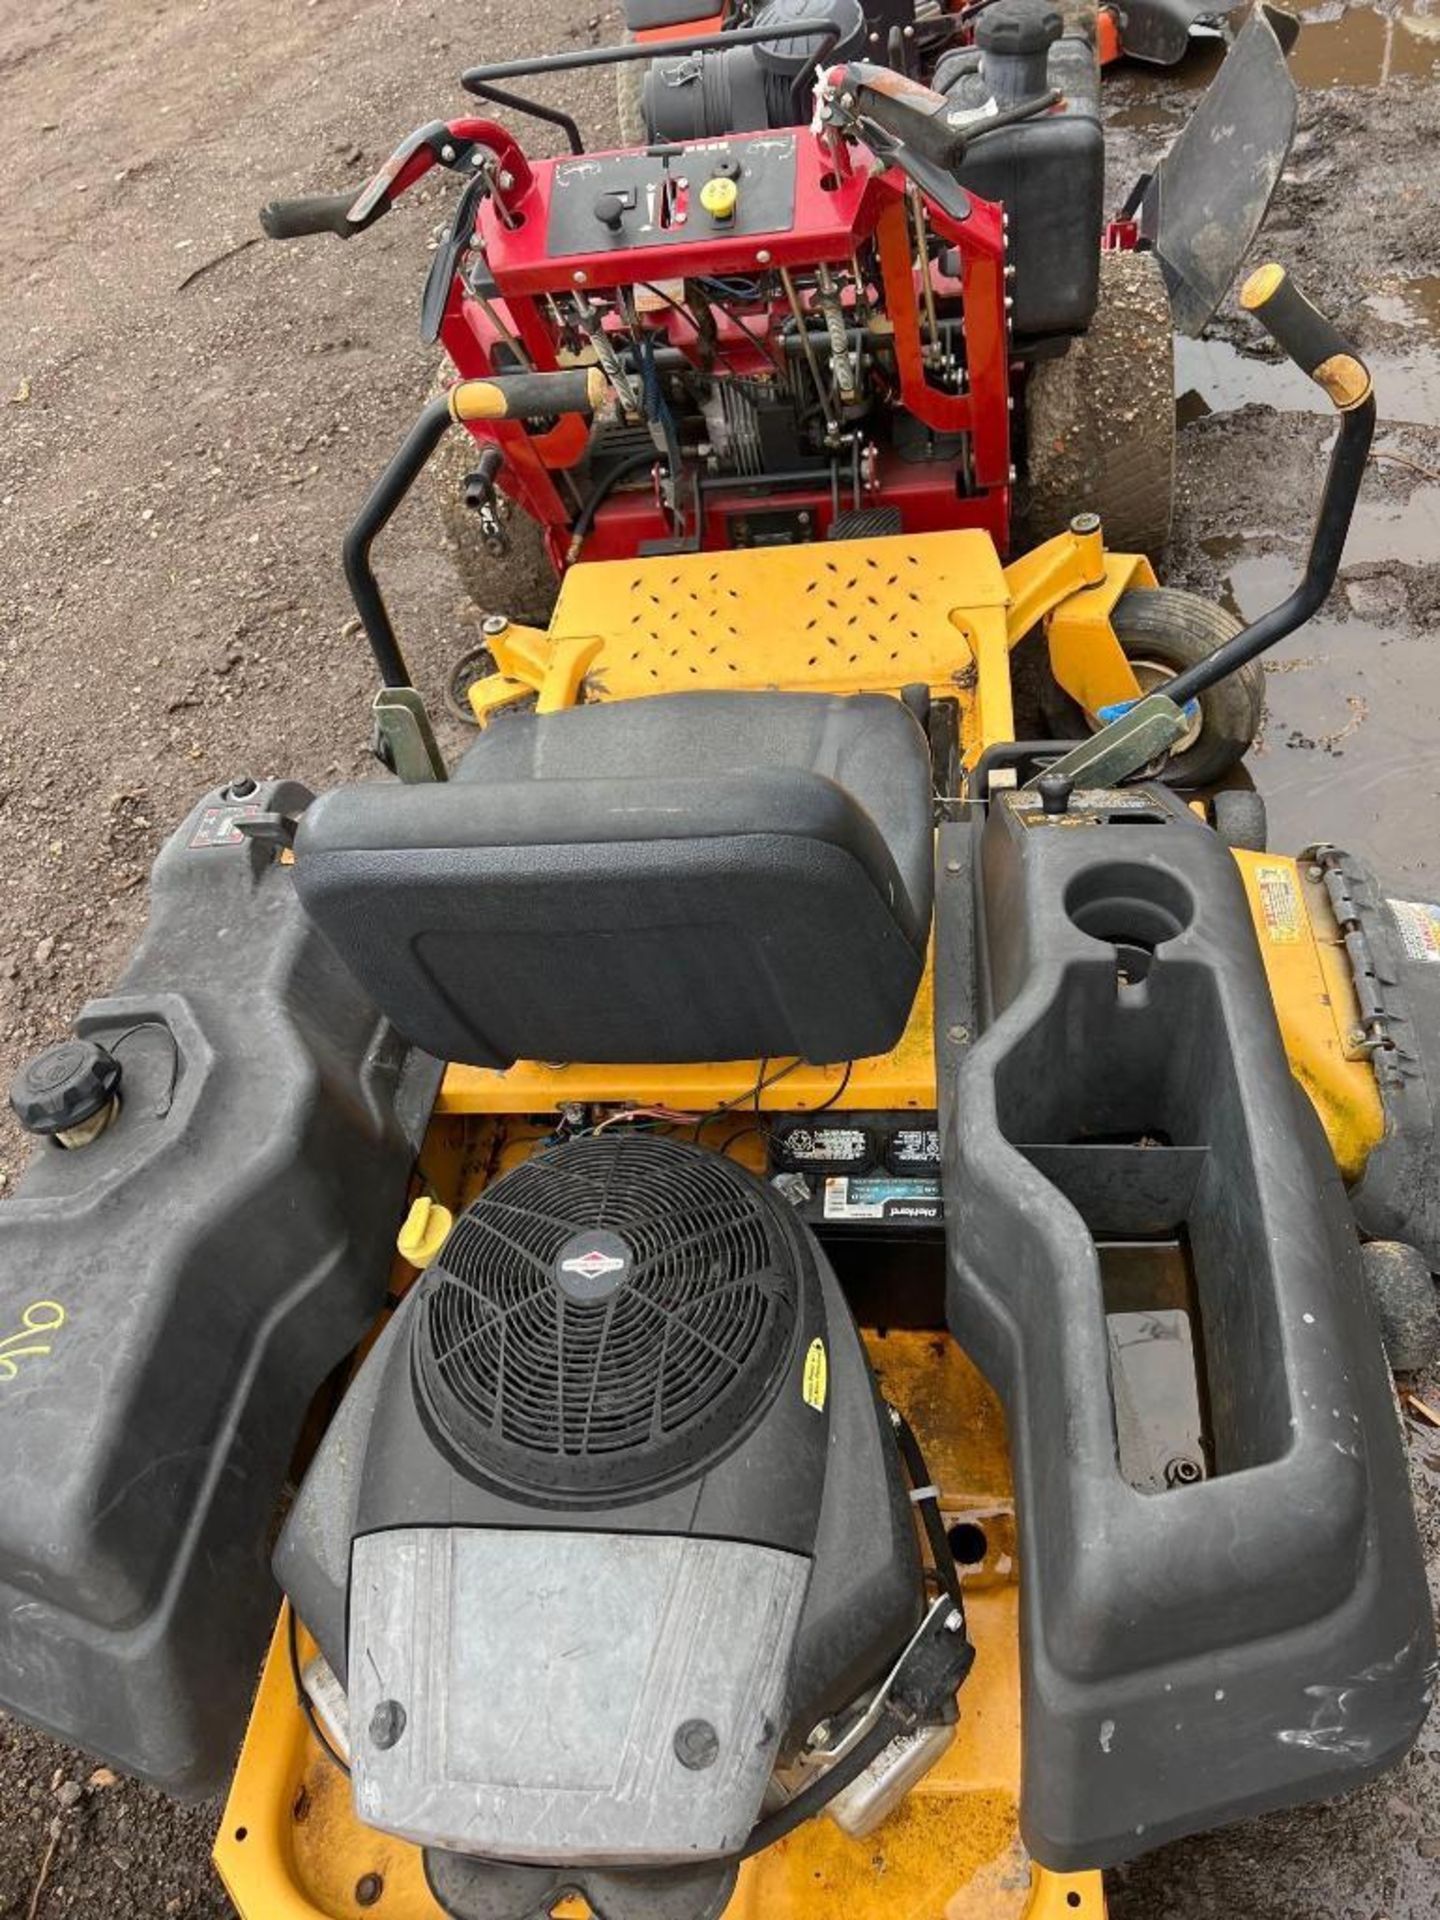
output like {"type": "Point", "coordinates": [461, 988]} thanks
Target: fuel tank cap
{"type": "Point", "coordinates": [65, 1090]}
{"type": "Point", "coordinates": [1018, 26]}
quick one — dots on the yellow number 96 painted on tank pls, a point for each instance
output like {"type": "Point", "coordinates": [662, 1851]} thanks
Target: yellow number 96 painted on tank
{"type": "Point", "coordinates": [42, 1316]}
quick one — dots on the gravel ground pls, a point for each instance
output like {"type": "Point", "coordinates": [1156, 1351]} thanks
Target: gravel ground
{"type": "Point", "coordinates": [188, 417]}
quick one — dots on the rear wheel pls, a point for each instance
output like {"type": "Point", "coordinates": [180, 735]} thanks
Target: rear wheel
{"type": "Point", "coordinates": [1162, 632]}
{"type": "Point", "coordinates": [1100, 420]}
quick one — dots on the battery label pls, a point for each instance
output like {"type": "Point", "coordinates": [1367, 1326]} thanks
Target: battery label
{"type": "Point", "coordinates": [827, 1146]}
{"type": "Point", "coordinates": [1418, 924]}
{"type": "Point", "coordinates": [882, 1199]}
{"type": "Point", "coordinates": [1280, 905]}
{"type": "Point", "coordinates": [915, 1147]}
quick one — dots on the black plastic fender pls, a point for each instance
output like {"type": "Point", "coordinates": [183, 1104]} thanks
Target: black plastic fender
{"type": "Point", "coordinates": [195, 1274]}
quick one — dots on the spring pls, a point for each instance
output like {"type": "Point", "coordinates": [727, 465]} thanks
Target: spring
{"type": "Point", "coordinates": [841, 364]}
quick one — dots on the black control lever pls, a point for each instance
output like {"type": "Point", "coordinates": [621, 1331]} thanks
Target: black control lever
{"type": "Point", "coordinates": [317, 213]}
{"type": "Point", "coordinates": [351, 211]}
{"type": "Point", "coordinates": [1318, 348]}
{"type": "Point", "coordinates": [509, 396]}
{"type": "Point", "coordinates": [1150, 727]}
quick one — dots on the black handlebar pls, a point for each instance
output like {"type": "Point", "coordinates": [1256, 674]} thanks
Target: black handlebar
{"type": "Point", "coordinates": [317, 213]}
{"type": "Point", "coordinates": [496, 397]}
{"type": "Point", "coordinates": [1318, 348]}
{"type": "Point", "coordinates": [480, 80]}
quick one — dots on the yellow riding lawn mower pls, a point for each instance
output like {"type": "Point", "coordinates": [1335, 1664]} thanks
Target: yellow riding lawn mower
{"type": "Point", "coordinates": [791, 1286]}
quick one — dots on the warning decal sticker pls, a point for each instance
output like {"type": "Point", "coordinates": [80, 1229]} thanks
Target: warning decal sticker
{"type": "Point", "coordinates": [1418, 924]}
{"type": "Point", "coordinates": [1280, 904]}
{"type": "Point", "coordinates": [217, 826]}
{"type": "Point", "coordinates": [816, 1379]}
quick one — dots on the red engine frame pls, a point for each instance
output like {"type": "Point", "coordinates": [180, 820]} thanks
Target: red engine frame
{"type": "Point", "coordinates": [844, 198]}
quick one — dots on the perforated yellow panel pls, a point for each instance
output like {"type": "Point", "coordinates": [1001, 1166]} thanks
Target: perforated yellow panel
{"type": "Point", "coordinates": [851, 616]}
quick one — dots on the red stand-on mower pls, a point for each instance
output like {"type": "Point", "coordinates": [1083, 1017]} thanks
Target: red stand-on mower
{"type": "Point", "coordinates": [837, 299]}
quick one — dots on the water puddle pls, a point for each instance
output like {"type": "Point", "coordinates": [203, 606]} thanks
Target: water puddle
{"type": "Point", "coordinates": [1362, 48]}
{"type": "Point", "coordinates": [1337, 47]}
{"type": "Point", "coordinates": [1349, 749]}
{"type": "Point", "coordinates": [1352, 713]}
{"type": "Point", "coordinates": [1211, 376]}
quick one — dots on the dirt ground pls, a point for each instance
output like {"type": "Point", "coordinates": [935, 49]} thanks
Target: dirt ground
{"type": "Point", "coordinates": [189, 416]}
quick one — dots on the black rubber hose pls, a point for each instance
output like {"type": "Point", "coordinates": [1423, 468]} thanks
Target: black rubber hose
{"type": "Point", "coordinates": [823, 1789]}
{"type": "Point", "coordinates": [602, 490]}
{"type": "Point", "coordinates": [302, 1696]}
{"type": "Point", "coordinates": [929, 1504]}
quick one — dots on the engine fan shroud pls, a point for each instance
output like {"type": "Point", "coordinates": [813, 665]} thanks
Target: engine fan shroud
{"type": "Point", "coordinates": [610, 1315]}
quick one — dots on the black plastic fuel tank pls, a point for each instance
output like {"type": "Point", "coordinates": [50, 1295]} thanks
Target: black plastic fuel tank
{"type": "Point", "coordinates": [173, 1294]}
{"type": "Point", "coordinates": [1048, 171]}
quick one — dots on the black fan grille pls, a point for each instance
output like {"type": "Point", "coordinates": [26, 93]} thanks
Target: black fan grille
{"type": "Point", "coordinates": [548, 1392]}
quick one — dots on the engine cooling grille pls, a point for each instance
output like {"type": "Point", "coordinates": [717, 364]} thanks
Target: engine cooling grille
{"type": "Point", "coordinates": [607, 1315]}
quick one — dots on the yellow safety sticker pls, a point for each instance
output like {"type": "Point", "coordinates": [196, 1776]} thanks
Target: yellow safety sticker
{"type": "Point", "coordinates": [1280, 903]}
{"type": "Point", "coordinates": [816, 1381]}
{"type": "Point", "coordinates": [1418, 924]}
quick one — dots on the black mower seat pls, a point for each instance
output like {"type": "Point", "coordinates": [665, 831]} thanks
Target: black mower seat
{"type": "Point", "coordinates": [695, 876]}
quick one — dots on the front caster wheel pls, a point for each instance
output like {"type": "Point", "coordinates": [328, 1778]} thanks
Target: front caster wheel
{"type": "Point", "coordinates": [1162, 632]}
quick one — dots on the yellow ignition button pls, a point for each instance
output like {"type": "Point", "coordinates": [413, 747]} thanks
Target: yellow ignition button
{"type": "Point", "coordinates": [719, 198]}
{"type": "Point", "coordinates": [424, 1233]}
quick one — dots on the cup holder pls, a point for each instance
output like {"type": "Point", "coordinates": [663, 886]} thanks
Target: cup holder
{"type": "Point", "coordinates": [1130, 907]}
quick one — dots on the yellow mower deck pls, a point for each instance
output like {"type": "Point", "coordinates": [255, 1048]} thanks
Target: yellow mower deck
{"type": "Point", "coordinates": [863, 615]}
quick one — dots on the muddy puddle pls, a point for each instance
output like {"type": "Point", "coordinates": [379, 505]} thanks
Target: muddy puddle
{"type": "Point", "coordinates": [1212, 376]}
{"type": "Point", "coordinates": [1338, 47]}
{"type": "Point", "coordinates": [1351, 747]}
{"type": "Point", "coordinates": [1349, 752]}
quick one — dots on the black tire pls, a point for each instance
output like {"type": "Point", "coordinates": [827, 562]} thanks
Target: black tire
{"type": "Point", "coordinates": [1100, 419]}
{"type": "Point", "coordinates": [1239, 817]}
{"type": "Point", "coordinates": [472, 665]}
{"type": "Point", "coordinates": [630, 97]}
{"type": "Point", "coordinates": [1402, 1292]}
{"type": "Point", "coordinates": [1163, 631]}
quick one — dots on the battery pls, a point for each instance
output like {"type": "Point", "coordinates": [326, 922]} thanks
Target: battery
{"type": "Point", "coordinates": [860, 1169]}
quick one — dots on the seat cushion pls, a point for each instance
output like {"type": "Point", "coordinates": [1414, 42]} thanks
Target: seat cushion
{"type": "Point", "coordinates": [866, 744]}
{"type": "Point", "coordinates": [698, 876]}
